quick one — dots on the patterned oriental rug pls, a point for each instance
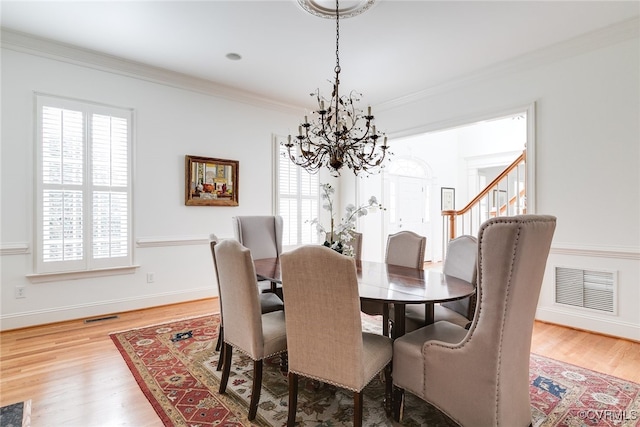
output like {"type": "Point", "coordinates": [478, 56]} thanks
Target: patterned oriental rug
{"type": "Point", "coordinates": [175, 366]}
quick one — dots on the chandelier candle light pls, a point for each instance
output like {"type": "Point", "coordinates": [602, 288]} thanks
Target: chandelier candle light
{"type": "Point", "coordinates": [338, 134]}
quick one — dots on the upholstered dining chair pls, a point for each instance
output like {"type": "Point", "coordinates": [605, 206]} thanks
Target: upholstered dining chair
{"type": "Point", "coordinates": [268, 302]}
{"type": "Point", "coordinates": [461, 262]}
{"type": "Point", "coordinates": [480, 376]}
{"type": "Point", "coordinates": [262, 235]}
{"type": "Point", "coordinates": [257, 335]}
{"type": "Point", "coordinates": [325, 340]}
{"type": "Point", "coordinates": [405, 249]}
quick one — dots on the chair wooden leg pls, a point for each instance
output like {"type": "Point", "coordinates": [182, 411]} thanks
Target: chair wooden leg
{"type": "Point", "coordinates": [357, 408]}
{"type": "Point", "coordinates": [220, 347]}
{"type": "Point", "coordinates": [388, 385]}
{"type": "Point", "coordinates": [398, 403]}
{"type": "Point", "coordinates": [255, 390]}
{"type": "Point", "coordinates": [220, 337]}
{"type": "Point", "coordinates": [293, 399]}
{"type": "Point", "coordinates": [385, 319]}
{"type": "Point", "coordinates": [226, 367]}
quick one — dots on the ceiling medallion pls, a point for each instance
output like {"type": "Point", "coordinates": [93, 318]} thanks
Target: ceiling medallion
{"type": "Point", "coordinates": [338, 133]}
{"type": "Point", "coordinates": [326, 8]}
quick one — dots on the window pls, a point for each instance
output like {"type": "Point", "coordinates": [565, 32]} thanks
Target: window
{"type": "Point", "coordinates": [83, 218]}
{"type": "Point", "coordinates": [296, 200]}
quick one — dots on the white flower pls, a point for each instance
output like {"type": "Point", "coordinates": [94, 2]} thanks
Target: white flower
{"type": "Point", "coordinates": [340, 235]}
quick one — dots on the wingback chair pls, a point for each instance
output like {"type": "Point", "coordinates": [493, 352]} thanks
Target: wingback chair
{"type": "Point", "coordinates": [262, 235]}
{"type": "Point", "coordinates": [461, 262]}
{"type": "Point", "coordinates": [257, 335]}
{"type": "Point", "coordinates": [480, 376]}
{"type": "Point", "coordinates": [405, 249]}
{"type": "Point", "coordinates": [268, 302]}
{"type": "Point", "coordinates": [324, 329]}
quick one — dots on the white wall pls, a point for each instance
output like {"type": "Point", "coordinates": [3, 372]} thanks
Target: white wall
{"type": "Point", "coordinates": [172, 238]}
{"type": "Point", "coordinates": [587, 159]}
{"type": "Point", "coordinates": [587, 152]}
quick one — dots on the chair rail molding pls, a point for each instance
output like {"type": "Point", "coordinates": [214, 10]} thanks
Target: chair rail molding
{"type": "Point", "coordinates": [153, 242]}
{"type": "Point", "coordinates": [18, 248]}
{"type": "Point", "coordinates": [599, 251]}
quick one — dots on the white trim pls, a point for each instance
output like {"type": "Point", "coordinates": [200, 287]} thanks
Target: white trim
{"type": "Point", "coordinates": [619, 252]}
{"type": "Point", "coordinates": [152, 242]}
{"type": "Point", "coordinates": [610, 35]}
{"type": "Point", "coordinates": [82, 311]}
{"type": "Point", "coordinates": [15, 249]}
{"type": "Point", "coordinates": [27, 43]}
{"type": "Point", "coordinates": [75, 275]}
{"type": "Point", "coordinates": [588, 322]}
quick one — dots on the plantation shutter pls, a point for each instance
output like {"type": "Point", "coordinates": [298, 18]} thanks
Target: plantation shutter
{"type": "Point", "coordinates": [84, 190]}
{"type": "Point", "coordinates": [297, 200]}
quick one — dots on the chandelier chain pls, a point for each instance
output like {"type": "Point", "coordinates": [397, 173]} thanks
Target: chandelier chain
{"type": "Point", "coordinates": [337, 70]}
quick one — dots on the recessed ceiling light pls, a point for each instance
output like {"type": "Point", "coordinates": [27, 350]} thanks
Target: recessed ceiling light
{"type": "Point", "coordinates": [234, 56]}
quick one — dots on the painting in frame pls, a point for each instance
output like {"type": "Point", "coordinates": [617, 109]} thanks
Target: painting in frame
{"type": "Point", "coordinates": [447, 198]}
{"type": "Point", "coordinates": [210, 181]}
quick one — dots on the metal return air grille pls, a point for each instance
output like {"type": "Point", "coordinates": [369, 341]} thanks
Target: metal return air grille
{"type": "Point", "coordinates": [594, 290]}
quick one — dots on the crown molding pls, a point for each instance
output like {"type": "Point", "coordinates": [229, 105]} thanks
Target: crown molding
{"type": "Point", "coordinates": [594, 40]}
{"type": "Point", "coordinates": [27, 43]}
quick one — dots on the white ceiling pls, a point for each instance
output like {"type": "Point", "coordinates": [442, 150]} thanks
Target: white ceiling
{"type": "Point", "coordinates": [392, 50]}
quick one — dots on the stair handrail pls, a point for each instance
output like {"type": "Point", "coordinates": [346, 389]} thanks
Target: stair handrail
{"type": "Point", "coordinates": [452, 214]}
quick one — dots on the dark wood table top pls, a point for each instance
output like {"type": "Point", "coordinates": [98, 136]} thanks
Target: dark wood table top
{"type": "Point", "coordinates": [391, 284]}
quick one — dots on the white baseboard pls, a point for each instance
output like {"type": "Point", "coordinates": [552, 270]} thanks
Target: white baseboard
{"type": "Point", "coordinates": [588, 322]}
{"type": "Point", "coordinates": [100, 308]}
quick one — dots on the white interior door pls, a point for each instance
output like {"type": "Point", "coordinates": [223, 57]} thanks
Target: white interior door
{"type": "Point", "coordinates": [408, 206]}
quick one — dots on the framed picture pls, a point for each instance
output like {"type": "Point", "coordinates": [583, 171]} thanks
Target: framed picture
{"type": "Point", "coordinates": [447, 198]}
{"type": "Point", "coordinates": [210, 181]}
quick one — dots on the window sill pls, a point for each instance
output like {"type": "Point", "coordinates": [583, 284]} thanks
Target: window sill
{"type": "Point", "coordinates": [74, 275]}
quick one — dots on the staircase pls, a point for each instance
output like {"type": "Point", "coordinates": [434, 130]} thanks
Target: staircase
{"type": "Point", "coordinates": [506, 195]}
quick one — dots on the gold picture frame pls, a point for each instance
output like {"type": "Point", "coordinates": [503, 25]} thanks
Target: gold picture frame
{"type": "Point", "coordinates": [210, 181]}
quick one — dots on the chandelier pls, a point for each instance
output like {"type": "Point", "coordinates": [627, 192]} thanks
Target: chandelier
{"type": "Point", "coordinates": [338, 133]}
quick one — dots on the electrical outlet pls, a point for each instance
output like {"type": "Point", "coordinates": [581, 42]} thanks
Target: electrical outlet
{"type": "Point", "coordinates": [21, 292]}
{"type": "Point", "coordinates": [151, 277]}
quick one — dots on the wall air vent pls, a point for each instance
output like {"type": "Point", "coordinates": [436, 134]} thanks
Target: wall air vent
{"type": "Point", "coordinates": [595, 290]}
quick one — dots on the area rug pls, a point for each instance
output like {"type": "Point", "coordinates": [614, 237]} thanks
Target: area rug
{"type": "Point", "coordinates": [175, 366]}
{"type": "Point", "coordinates": [16, 415]}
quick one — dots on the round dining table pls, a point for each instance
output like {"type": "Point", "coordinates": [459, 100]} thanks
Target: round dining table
{"type": "Point", "coordinates": [391, 284]}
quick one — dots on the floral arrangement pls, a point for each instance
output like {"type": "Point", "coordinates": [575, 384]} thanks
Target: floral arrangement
{"type": "Point", "coordinates": [339, 236]}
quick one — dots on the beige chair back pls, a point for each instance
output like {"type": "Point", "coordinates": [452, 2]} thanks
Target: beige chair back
{"type": "Point", "coordinates": [462, 262]}
{"type": "Point", "coordinates": [322, 309]}
{"type": "Point", "coordinates": [406, 249]}
{"type": "Point", "coordinates": [262, 235]}
{"type": "Point", "coordinates": [240, 304]}
{"type": "Point", "coordinates": [484, 379]}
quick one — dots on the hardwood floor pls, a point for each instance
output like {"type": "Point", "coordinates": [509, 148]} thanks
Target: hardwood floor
{"type": "Point", "coordinates": [75, 376]}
